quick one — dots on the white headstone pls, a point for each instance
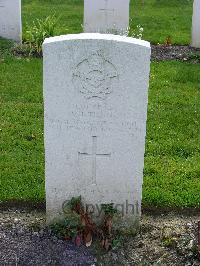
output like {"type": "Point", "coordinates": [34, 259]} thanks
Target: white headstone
{"type": "Point", "coordinates": [95, 101]}
{"type": "Point", "coordinates": [196, 24]}
{"type": "Point", "coordinates": [10, 19]}
{"type": "Point", "coordinates": [106, 16]}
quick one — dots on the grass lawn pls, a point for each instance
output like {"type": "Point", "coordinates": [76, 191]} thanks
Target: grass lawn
{"type": "Point", "coordinates": [159, 18]}
{"type": "Point", "coordinates": [172, 161]}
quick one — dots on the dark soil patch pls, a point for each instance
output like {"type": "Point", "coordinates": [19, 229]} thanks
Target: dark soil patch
{"type": "Point", "coordinates": [159, 52]}
{"type": "Point", "coordinates": [162, 240]}
{"type": "Point", "coordinates": [23, 205]}
{"type": "Point", "coordinates": [171, 52]}
{"type": "Point", "coordinates": [25, 241]}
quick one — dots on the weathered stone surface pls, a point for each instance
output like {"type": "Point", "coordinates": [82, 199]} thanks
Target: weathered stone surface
{"type": "Point", "coordinates": [106, 16]}
{"type": "Point", "coordinates": [95, 96]}
{"type": "Point", "coordinates": [196, 24]}
{"type": "Point", "coordinates": [10, 19]}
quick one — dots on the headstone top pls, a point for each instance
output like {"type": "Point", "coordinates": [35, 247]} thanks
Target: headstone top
{"type": "Point", "coordinates": [10, 20]}
{"type": "Point", "coordinates": [106, 16]}
{"type": "Point", "coordinates": [96, 36]}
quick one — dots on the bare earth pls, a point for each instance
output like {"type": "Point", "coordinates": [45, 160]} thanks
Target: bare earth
{"type": "Point", "coordinates": [175, 52]}
{"type": "Point", "coordinates": [163, 240]}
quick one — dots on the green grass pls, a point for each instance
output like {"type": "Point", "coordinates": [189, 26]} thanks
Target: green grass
{"type": "Point", "coordinates": [172, 159]}
{"type": "Point", "coordinates": [163, 18]}
{"type": "Point", "coordinates": [21, 130]}
{"type": "Point", "coordinates": [69, 12]}
{"type": "Point", "coordinates": [172, 162]}
{"type": "Point", "coordinates": [159, 18]}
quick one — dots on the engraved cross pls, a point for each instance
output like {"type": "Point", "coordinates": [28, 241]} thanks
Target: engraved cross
{"type": "Point", "coordinates": [94, 156]}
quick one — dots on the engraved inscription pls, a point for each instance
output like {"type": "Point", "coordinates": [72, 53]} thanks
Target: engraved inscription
{"type": "Point", "coordinates": [93, 76]}
{"type": "Point", "coordinates": [4, 25]}
{"type": "Point", "coordinates": [107, 12]}
{"type": "Point", "coordinates": [94, 156]}
{"type": "Point", "coordinates": [2, 3]}
{"type": "Point", "coordinates": [2, 7]}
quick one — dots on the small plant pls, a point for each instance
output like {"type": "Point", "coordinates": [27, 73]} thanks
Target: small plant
{"type": "Point", "coordinates": [168, 41]}
{"type": "Point", "coordinates": [137, 32]}
{"type": "Point", "coordinates": [107, 240]}
{"type": "Point", "coordinates": [115, 31]}
{"type": "Point", "coordinates": [35, 35]}
{"type": "Point", "coordinates": [78, 226]}
{"type": "Point", "coordinates": [5, 47]}
{"type": "Point", "coordinates": [169, 242]}
{"type": "Point", "coordinates": [68, 228]}
{"type": "Point", "coordinates": [108, 209]}
{"type": "Point", "coordinates": [194, 56]}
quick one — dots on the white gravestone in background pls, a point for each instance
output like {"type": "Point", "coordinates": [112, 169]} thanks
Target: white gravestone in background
{"type": "Point", "coordinates": [95, 101]}
{"type": "Point", "coordinates": [196, 24]}
{"type": "Point", "coordinates": [106, 16]}
{"type": "Point", "coordinates": [10, 19]}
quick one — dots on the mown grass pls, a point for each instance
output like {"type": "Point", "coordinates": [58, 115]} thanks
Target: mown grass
{"type": "Point", "coordinates": [159, 18]}
{"type": "Point", "coordinates": [21, 130]}
{"type": "Point", "coordinates": [172, 162]}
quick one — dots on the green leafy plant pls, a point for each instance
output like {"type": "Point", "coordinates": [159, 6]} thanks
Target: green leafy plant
{"type": "Point", "coordinates": [168, 41]}
{"type": "Point", "coordinates": [78, 226]}
{"type": "Point", "coordinates": [108, 209]}
{"type": "Point", "coordinates": [107, 237]}
{"type": "Point", "coordinates": [67, 228]}
{"type": "Point", "coordinates": [74, 204]}
{"type": "Point", "coordinates": [136, 32]}
{"type": "Point", "coordinates": [117, 242]}
{"type": "Point", "coordinates": [194, 56]}
{"type": "Point", "coordinates": [35, 35]}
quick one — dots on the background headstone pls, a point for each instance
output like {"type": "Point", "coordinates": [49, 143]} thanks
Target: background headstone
{"type": "Point", "coordinates": [196, 24]}
{"type": "Point", "coordinates": [10, 19]}
{"type": "Point", "coordinates": [95, 95]}
{"type": "Point", "coordinates": [106, 16]}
